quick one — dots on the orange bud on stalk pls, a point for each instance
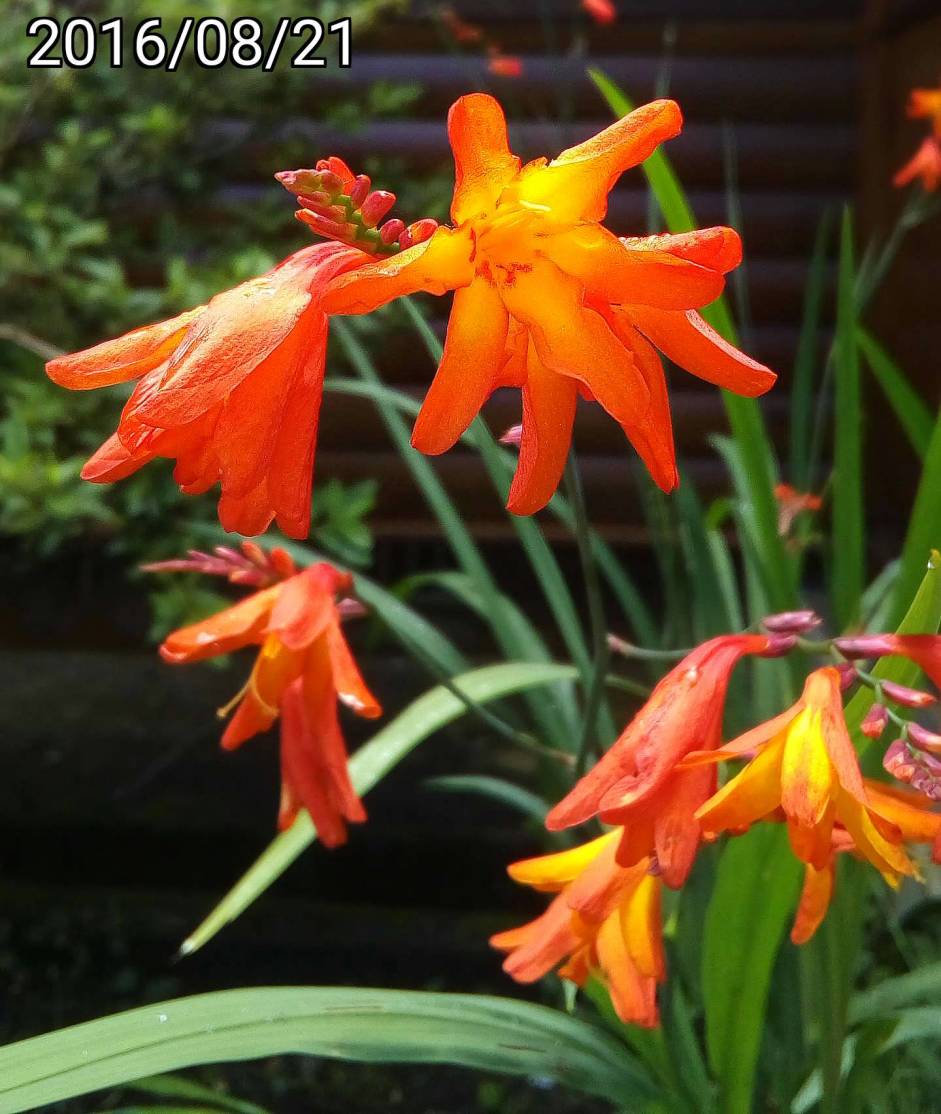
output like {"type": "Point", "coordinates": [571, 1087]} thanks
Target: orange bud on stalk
{"type": "Point", "coordinates": [375, 206]}
{"type": "Point", "coordinates": [391, 230]}
{"type": "Point", "coordinates": [360, 190]}
{"type": "Point", "coordinates": [875, 721]}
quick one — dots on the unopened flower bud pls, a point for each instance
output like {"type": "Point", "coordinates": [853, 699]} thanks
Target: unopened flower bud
{"type": "Point", "coordinates": [897, 760]}
{"type": "Point", "coordinates": [907, 697]}
{"type": "Point", "coordinates": [848, 675]}
{"type": "Point", "coordinates": [779, 645]}
{"type": "Point", "coordinates": [924, 739]}
{"type": "Point", "coordinates": [338, 167]}
{"type": "Point", "coordinates": [421, 230]}
{"type": "Point", "coordinates": [375, 206]}
{"type": "Point", "coordinates": [865, 645]}
{"type": "Point", "coordinates": [874, 722]}
{"type": "Point", "coordinates": [331, 183]}
{"type": "Point", "coordinates": [513, 436]}
{"type": "Point", "coordinates": [332, 229]}
{"type": "Point", "coordinates": [360, 190]}
{"type": "Point", "coordinates": [791, 622]}
{"type": "Point", "coordinates": [351, 609]}
{"type": "Point", "coordinates": [300, 181]}
{"type": "Point", "coordinates": [391, 230]}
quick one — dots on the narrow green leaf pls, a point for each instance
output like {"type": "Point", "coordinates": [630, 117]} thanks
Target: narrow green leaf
{"type": "Point", "coordinates": [894, 993]}
{"type": "Point", "coordinates": [755, 891]}
{"type": "Point", "coordinates": [497, 789]}
{"type": "Point", "coordinates": [848, 554]}
{"type": "Point", "coordinates": [924, 525]}
{"type": "Point", "coordinates": [421, 719]}
{"type": "Point", "coordinates": [376, 1026]}
{"type": "Point", "coordinates": [176, 1087]}
{"type": "Point", "coordinates": [804, 387]}
{"type": "Point", "coordinates": [912, 411]}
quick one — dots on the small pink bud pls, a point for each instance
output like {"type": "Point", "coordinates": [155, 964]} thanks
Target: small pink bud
{"type": "Point", "coordinates": [924, 739]}
{"type": "Point", "coordinates": [405, 240]}
{"type": "Point", "coordinates": [333, 230]}
{"type": "Point", "coordinates": [391, 230]}
{"type": "Point", "coordinates": [317, 204]}
{"type": "Point", "coordinates": [897, 760]}
{"type": "Point", "coordinates": [513, 436]}
{"type": "Point", "coordinates": [351, 609]}
{"type": "Point", "coordinates": [375, 207]}
{"type": "Point", "coordinates": [865, 645]}
{"type": "Point", "coordinates": [360, 190]}
{"type": "Point", "coordinates": [421, 230]}
{"type": "Point", "coordinates": [779, 645]}
{"type": "Point", "coordinates": [908, 698]}
{"type": "Point", "coordinates": [791, 622]}
{"type": "Point", "coordinates": [299, 181]}
{"type": "Point", "coordinates": [874, 722]}
{"type": "Point", "coordinates": [848, 675]}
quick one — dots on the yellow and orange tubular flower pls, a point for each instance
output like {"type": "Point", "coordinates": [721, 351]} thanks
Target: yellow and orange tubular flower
{"type": "Point", "coordinates": [637, 784]}
{"type": "Point", "coordinates": [605, 921]}
{"type": "Point", "coordinates": [303, 669]}
{"type": "Point", "coordinates": [805, 765]}
{"type": "Point", "coordinates": [230, 390]}
{"type": "Point", "coordinates": [906, 815]}
{"type": "Point", "coordinates": [547, 300]}
{"type": "Point", "coordinates": [924, 165]}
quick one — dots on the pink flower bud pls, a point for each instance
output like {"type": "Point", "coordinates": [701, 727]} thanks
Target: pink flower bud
{"type": "Point", "coordinates": [924, 739]}
{"type": "Point", "coordinates": [513, 436]}
{"type": "Point", "coordinates": [405, 239]}
{"type": "Point", "coordinates": [391, 230]}
{"type": "Point", "coordinates": [360, 190]}
{"type": "Point", "coordinates": [848, 675]}
{"type": "Point", "coordinates": [908, 698]}
{"type": "Point", "coordinates": [898, 762]}
{"type": "Point", "coordinates": [791, 622]}
{"type": "Point", "coordinates": [421, 230]}
{"type": "Point", "coordinates": [375, 207]}
{"type": "Point", "coordinates": [332, 229]}
{"type": "Point", "coordinates": [874, 722]}
{"type": "Point", "coordinates": [865, 645]}
{"type": "Point", "coordinates": [779, 645]}
{"type": "Point", "coordinates": [351, 609]}
{"type": "Point", "coordinates": [300, 181]}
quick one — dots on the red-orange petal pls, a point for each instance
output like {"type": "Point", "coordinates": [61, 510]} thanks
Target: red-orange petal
{"type": "Point", "coordinates": [474, 352]}
{"type": "Point", "coordinates": [302, 611]}
{"type": "Point", "coordinates": [112, 461]}
{"type": "Point", "coordinates": [718, 248]}
{"type": "Point", "coordinates": [693, 345]}
{"type": "Point", "coordinates": [483, 162]}
{"type": "Point", "coordinates": [814, 902]}
{"type": "Point", "coordinates": [237, 626]}
{"type": "Point", "coordinates": [347, 679]}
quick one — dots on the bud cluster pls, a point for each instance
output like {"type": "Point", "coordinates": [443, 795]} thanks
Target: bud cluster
{"type": "Point", "coordinates": [343, 206]}
{"type": "Point", "coordinates": [253, 566]}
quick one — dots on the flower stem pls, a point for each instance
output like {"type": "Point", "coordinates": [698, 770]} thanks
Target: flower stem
{"type": "Point", "coordinates": [596, 619]}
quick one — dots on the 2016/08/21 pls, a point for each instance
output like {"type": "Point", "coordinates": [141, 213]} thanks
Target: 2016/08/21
{"type": "Point", "coordinates": [214, 41]}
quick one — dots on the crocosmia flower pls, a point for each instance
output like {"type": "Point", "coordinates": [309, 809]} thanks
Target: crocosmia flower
{"type": "Point", "coordinates": [805, 765]}
{"type": "Point", "coordinates": [605, 920]}
{"type": "Point", "coordinates": [924, 165]}
{"type": "Point", "coordinates": [304, 667]}
{"type": "Point", "coordinates": [230, 390]}
{"type": "Point", "coordinates": [549, 301]}
{"type": "Point", "coordinates": [601, 11]}
{"type": "Point", "coordinates": [925, 104]}
{"type": "Point", "coordinates": [637, 784]}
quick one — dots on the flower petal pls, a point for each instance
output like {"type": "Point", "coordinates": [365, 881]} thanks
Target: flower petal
{"type": "Point", "coordinates": [302, 611]}
{"type": "Point", "coordinates": [615, 273]}
{"type": "Point", "coordinates": [483, 162]}
{"type": "Point", "coordinates": [577, 183]}
{"type": "Point", "coordinates": [574, 340]}
{"type": "Point", "coordinates": [806, 772]}
{"type": "Point", "coordinates": [814, 902]}
{"type": "Point", "coordinates": [749, 796]}
{"type": "Point", "coordinates": [441, 263]}
{"type": "Point", "coordinates": [548, 415]}
{"type": "Point", "coordinates": [552, 872]}
{"type": "Point", "coordinates": [240, 625]}
{"type": "Point", "coordinates": [126, 357]}
{"type": "Point", "coordinates": [633, 995]}
{"type": "Point", "coordinates": [112, 461]}
{"type": "Point", "coordinates": [347, 679]}
{"type": "Point", "coordinates": [474, 352]}
{"type": "Point", "coordinates": [691, 344]}
{"type": "Point", "coordinates": [718, 248]}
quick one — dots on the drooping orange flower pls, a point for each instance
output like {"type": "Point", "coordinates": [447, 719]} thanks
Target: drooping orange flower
{"type": "Point", "coordinates": [906, 815]}
{"type": "Point", "coordinates": [805, 765]}
{"type": "Point", "coordinates": [230, 390]}
{"type": "Point", "coordinates": [303, 668]}
{"type": "Point", "coordinates": [601, 11]}
{"type": "Point", "coordinates": [791, 503]}
{"type": "Point", "coordinates": [604, 921]}
{"type": "Point", "coordinates": [925, 104]}
{"type": "Point", "coordinates": [925, 165]}
{"type": "Point", "coordinates": [637, 784]}
{"type": "Point", "coordinates": [549, 301]}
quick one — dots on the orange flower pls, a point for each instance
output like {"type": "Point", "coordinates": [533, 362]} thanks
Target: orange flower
{"type": "Point", "coordinates": [906, 814]}
{"type": "Point", "coordinates": [230, 390]}
{"type": "Point", "coordinates": [504, 65]}
{"type": "Point", "coordinates": [925, 104]}
{"type": "Point", "coordinates": [303, 668]}
{"type": "Point", "coordinates": [549, 301]}
{"type": "Point", "coordinates": [804, 764]}
{"type": "Point", "coordinates": [601, 11]}
{"type": "Point", "coordinates": [791, 503]}
{"type": "Point", "coordinates": [637, 784]}
{"type": "Point", "coordinates": [604, 921]}
{"type": "Point", "coordinates": [925, 165]}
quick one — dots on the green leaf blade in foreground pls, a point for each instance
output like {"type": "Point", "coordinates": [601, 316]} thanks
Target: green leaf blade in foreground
{"type": "Point", "coordinates": [912, 411]}
{"type": "Point", "coordinates": [924, 526]}
{"type": "Point", "coordinates": [422, 718]}
{"type": "Point", "coordinates": [379, 1026]}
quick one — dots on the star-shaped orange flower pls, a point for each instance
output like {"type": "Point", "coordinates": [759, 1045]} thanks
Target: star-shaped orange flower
{"type": "Point", "coordinates": [548, 300]}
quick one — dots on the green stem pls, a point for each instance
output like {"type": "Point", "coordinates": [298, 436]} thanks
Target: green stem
{"type": "Point", "coordinates": [596, 618]}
